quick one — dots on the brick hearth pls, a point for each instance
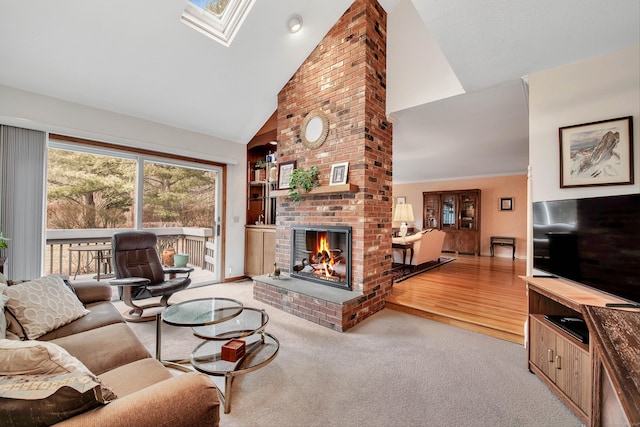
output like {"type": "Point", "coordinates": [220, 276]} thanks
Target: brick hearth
{"type": "Point", "coordinates": [319, 304]}
{"type": "Point", "coordinates": [345, 77]}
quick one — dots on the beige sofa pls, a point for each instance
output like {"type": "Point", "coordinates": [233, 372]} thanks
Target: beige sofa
{"type": "Point", "coordinates": [427, 246]}
{"type": "Point", "coordinates": [148, 394]}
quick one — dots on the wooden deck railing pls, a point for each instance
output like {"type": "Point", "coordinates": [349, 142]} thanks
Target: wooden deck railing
{"type": "Point", "coordinates": [59, 259]}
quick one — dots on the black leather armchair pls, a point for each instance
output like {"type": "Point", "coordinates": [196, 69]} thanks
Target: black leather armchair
{"type": "Point", "coordinates": [140, 274]}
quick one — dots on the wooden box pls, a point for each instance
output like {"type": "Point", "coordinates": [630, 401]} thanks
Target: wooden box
{"type": "Point", "coordinates": [233, 350]}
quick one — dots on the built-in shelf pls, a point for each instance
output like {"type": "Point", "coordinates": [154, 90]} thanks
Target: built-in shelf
{"type": "Point", "coordinates": [325, 189]}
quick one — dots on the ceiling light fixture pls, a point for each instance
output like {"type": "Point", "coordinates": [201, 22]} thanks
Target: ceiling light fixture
{"type": "Point", "coordinates": [295, 23]}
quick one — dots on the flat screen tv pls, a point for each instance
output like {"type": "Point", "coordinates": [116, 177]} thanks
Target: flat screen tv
{"type": "Point", "coordinates": [592, 241]}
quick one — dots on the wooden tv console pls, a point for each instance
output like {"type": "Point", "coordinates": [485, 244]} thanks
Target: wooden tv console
{"type": "Point", "coordinates": [593, 379]}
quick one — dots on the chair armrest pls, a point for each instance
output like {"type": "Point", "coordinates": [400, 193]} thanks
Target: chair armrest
{"type": "Point", "coordinates": [92, 292]}
{"type": "Point", "coordinates": [189, 399]}
{"type": "Point", "coordinates": [178, 270]}
{"type": "Point", "coordinates": [130, 281]}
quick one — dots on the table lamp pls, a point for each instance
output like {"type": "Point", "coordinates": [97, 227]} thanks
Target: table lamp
{"type": "Point", "coordinates": [404, 214]}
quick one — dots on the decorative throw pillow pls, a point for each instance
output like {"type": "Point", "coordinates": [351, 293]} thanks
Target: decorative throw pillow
{"type": "Point", "coordinates": [43, 305]}
{"type": "Point", "coordinates": [43, 358]}
{"type": "Point", "coordinates": [39, 386]}
{"type": "Point", "coordinates": [66, 281]}
{"type": "Point", "coordinates": [43, 400]}
{"type": "Point", "coordinates": [3, 300]}
{"type": "Point", "coordinates": [3, 319]}
{"type": "Point", "coordinates": [14, 328]}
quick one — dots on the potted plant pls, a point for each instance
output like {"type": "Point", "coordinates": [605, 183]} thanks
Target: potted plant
{"type": "Point", "coordinates": [3, 246]}
{"type": "Point", "coordinates": [302, 181]}
{"type": "Point", "coordinates": [180, 260]}
{"type": "Point", "coordinates": [3, 241]}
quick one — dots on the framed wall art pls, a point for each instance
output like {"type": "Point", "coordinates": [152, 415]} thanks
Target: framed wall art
{"type": "Point", "coordinates": [597, 153]}
{"type": "Point", "coordinates": [284, 174]}
{"type": "Point", "coordinates": [401, 200]}
{"type": "Point", "coordinates": [339, 173]}
{"type": "Point", "coordinates": [506, 203]}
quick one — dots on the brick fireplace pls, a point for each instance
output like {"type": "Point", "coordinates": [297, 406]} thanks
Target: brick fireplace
{"type": "Point", "coordinates": [321, 254]}
{"type": "Point", "coordinates": [345, 78]}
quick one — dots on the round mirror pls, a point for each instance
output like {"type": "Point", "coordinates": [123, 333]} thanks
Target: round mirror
{"type": "Point", "coordinates": [314, 129]}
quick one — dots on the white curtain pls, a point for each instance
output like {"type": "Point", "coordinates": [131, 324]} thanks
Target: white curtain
{"type": "Point", "coordinates": [22, 186]}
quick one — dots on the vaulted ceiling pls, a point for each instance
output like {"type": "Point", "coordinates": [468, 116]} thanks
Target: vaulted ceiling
{"type": "Point", "coordinates": [464, 59]}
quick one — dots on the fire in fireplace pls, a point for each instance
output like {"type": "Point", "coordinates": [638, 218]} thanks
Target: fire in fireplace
{"type": "Point", "coordinates": [322, 254]}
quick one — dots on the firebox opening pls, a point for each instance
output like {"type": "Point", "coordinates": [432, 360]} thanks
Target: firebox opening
{"type": "Point", "coordinates": [322, 254]}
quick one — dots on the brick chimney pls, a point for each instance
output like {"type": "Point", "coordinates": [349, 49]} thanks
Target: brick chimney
{"type": "Point", "coordinates": [344, 77]}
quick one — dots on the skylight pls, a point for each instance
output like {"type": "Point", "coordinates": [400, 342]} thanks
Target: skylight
{"type": "Point", "coordinates": [217, 19]}
{"type": "Point", "coordinates": [212, 6]}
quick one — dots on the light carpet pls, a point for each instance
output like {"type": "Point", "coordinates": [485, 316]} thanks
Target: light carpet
{"type": "Point", "coordinates": [393, 369]}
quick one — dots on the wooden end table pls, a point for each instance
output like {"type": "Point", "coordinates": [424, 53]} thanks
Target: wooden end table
{"type": "Point", "coordinates": [504, 241]}
{"type": "Point", "coordinates": [404, 247]}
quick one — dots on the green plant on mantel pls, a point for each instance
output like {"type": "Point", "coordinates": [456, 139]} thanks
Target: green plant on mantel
{"type": "Point", "coordinates": [302, 180]}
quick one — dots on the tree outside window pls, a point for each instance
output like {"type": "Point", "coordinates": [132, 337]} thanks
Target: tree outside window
{"type": "Point", "coordinates": [177, 196]}
{"type": "Point", "coordinates": [87, 190]}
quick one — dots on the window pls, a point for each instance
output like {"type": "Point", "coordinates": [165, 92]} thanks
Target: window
{"type": "Point", "coordinates": [90, 188]}
{"type": "Point", "coordinates": [96, 188]}
{"type": "Point", "coordinates": [177, 196]}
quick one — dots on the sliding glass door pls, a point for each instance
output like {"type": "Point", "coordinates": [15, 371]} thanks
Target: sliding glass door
{"type": "Point", "coordinates": [91, 188]}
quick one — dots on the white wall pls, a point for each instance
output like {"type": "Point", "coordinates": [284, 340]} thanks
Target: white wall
{"type": "Point", "coordinates": [33, 111]}
{"type": "Point", "coordinates": [414, 56]}
{"type": "Point", "coordinates": [601, 88]}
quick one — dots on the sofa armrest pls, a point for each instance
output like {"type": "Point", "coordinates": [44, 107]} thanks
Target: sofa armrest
{"type": "Point", "coordinates": [189, 399]}
{"type": "Point", "coordinates": [94, 347]}
{"type": "Point", "coordinates": [93, 292]}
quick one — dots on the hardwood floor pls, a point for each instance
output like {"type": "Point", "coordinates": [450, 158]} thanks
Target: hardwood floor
{"type": "Point", "coordinates": [477, 293]}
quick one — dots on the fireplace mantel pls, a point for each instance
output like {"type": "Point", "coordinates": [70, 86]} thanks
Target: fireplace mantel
{"type": "Point", "coordinates": [324, 189]}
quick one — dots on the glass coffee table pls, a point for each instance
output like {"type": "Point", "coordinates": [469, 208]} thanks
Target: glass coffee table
{"type": "Point", "coordinates": [196, 312]}
{"type": "Point", "coordinates": [218, 320]}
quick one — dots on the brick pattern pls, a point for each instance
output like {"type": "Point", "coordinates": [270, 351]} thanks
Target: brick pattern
{"type": "Point", "coordinates": [345, 77]}
{"type": "Point", "coordinates": [339, 317]}
{"type": "Point", "coordinates": [316, 310]}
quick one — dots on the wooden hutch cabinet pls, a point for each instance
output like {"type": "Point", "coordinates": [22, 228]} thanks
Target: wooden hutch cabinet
{"type": "Point", "coordinates": [457, 213]}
